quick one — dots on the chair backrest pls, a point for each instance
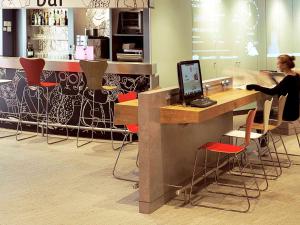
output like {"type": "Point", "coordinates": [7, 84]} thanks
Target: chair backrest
{"type": "Point", "coordinates": [94, 72]}
{"type": "Point", "coordinates": [281, 105]}
{"type": "Point", "coordinates": [249, 123]}
{"type": "Point", "coordinates": [267, 111]}
{"type": "Point", "coordinates": [33, 69]}
{"type": "Point", "coordinates": [133, 128]}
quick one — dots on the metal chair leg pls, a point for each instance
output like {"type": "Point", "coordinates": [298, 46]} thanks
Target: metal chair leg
{"type": "Point", "coordinates": [80, 117]}
{"type": "Point", "coordinates": [79, 121]}
{"type": "Point", "coordinates": [19, 125]}
{"type": "Point", "coordinates": [116, 162]}
{"type": "Point", "coordinates": [252, 173]}
{"type": "Point", "coordinates": [47, 121]}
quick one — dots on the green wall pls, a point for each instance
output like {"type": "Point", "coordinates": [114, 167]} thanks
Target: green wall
{"type": "Point", "coordinates": [171, 37]}
{"type": "Point", "coordinates": [230, 37]}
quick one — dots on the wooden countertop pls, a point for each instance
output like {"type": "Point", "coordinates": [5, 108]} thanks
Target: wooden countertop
{"type": "Point", "coordinates": [127, 112]}
{"type": "Point", "coordinates": [227, 102]}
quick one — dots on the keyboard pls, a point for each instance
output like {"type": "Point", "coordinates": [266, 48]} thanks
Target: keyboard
{"type": "Point", "coordinates": [203, 102]}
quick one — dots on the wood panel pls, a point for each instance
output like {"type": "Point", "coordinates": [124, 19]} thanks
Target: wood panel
{"type": "Point", "coordinates": [126, 113]}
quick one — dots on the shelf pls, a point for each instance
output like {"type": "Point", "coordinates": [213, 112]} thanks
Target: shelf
{"type": "Point", "coordinates": [48, 26]}
{"type": "Point", "coordinates": [128, 35]}
{"type": "Point", "coordinates": [48, 39]}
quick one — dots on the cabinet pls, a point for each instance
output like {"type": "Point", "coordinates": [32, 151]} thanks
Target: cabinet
{"type": "Point", "coordinates": [130, 35]}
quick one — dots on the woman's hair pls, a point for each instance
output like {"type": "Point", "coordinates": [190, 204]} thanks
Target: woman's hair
{"type": "Point", "coordinates": [289, 60]}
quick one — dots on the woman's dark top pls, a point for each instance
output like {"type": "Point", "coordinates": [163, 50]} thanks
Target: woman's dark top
{"type": "Point", "coordinates": [289, 85]}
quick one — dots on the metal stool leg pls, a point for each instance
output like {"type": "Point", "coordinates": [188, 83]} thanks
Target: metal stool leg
{"type": "Point", "coordinates": [79, 121]}
{"type": "Point", "coordinates": [19, 125]}
{"type": "Point", "coordinates": [47, 118]}
{"type": "Point", "coordinates": [92, 124]}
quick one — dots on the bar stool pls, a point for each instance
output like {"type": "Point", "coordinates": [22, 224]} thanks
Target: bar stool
{"type": "Point", "coordinates": [273, 126]}
{"type": "Point", "coordinates": [233, 152]}
{"type": "Point", "coordinates": [3, 82]}
{"type": "Point", "coordinates": [94, 72]}
{"type": "Point", "coordinates": [256, 137]}
{"type": "Point", "coordinates": [131, 129]}
{"type": "Point", "coordinates": [33, 69]}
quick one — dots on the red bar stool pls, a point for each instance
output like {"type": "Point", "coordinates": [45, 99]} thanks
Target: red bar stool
{"type": "Point", "coordinates": [131, 129]}
{"type": "Point", "coordinates": [233, 152]}
{"type": "Point", "coordinates": [3, 82]}
{"type": "Point", "coordinates": [33, 69]}
{"type": "Point", "coordinates": [94, 72]}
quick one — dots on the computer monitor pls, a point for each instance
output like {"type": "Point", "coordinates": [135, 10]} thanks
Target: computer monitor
{"type": "Point", "coordinates": [190, 80]}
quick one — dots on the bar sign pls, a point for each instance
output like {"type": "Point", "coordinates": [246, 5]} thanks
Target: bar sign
{"type": "Point", "coordinates": [42, 3]}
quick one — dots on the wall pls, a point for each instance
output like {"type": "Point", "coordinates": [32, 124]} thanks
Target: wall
{"type": "Point", "coordinates": [1, 33]}
{"type": "Point", "coordinates": [171, 37]}
{"type": "Point", "coordinates": [21, 38]}
{"type": "Point", "coordinates": [229, 37]}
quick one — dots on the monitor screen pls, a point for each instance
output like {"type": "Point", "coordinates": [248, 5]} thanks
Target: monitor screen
{"type": "Point", "coordinates": [189, 77]}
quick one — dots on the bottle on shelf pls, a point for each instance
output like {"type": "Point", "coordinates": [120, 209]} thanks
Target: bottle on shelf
{"type": "Point", "coordinates": [30, 50]}
{"type": "Point", "coordinates": [66, 18]}
{"type": "Point", "coordinates": [33, 18]}
{"type": "Point", "coordinates": [71, 52]}
{"type": "Point", "coordinates": [54, 18]}
{"type": "Point", "coordinates": [57, 18]}
{"type": "Point", "coordinates": [41, 18]}
{"type": "Point", "coordinates": [46, 19]}
{"type": "Point", "coordinates": [62, 18]}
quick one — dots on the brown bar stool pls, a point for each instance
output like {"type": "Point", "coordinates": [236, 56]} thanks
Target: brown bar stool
{"type": "Point", "coordinates": [94, 72]}
{"type": "Point", "coordinates": [33, 69]}
{"type": "Point", "coordinates": [3, 82]}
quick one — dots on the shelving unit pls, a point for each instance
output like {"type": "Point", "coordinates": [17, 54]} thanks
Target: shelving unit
{"type": "Point", "coordinates": [140, 40]}
{"type": "Point", "coordinates": [48, 41]}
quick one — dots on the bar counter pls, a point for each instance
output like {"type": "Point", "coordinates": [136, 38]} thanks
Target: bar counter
{"type": "Point", "coordinates": [64, 65]}
{"type": "Point", "coordinates": [170, 134]}
{"type": "Point", "coordinates": [65, 100]}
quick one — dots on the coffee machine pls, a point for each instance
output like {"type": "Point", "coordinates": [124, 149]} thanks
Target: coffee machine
{"type": "Point", "coordinates": [100, 45]}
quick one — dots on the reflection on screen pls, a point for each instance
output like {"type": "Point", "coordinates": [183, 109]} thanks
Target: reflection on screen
{"type": "Point", "coordinates": [191, 78]}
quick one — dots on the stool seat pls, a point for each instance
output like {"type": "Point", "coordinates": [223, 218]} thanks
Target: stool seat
{"type": "Point", "coordinates": [48, 84]}
{"type": "Point", "coordinates": [260, 126]}
{"type": "Point", "coordinates": [223, 148]}
{"type": "Point", "coordinates": [133, 128]}
{"type": "Point", "coordinates": [109, 88]}
{"type": "Point", "coordinates": [242, 133]}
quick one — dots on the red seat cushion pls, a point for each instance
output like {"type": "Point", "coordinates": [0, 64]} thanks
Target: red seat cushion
{"type": "Point", "coordinates": [33, 69]}
{"type": "Point", "coordinates": [133, 128]}
{"type": "Point", "coordinates": [49, 84]}
{"type": "Point", "coordinates": [223, 148]}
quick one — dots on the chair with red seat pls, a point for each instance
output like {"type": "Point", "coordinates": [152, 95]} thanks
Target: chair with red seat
{"type": "Point", "coordinates": [131, 129]}
{"type": "Point", "coordinates": [33, 70]}
{"type": "Point", "coordinates": [233, 152]}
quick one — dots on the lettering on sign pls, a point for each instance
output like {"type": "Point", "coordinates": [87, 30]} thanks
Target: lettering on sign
{"type": "Point", "coordinates": [42, 3]}
{"type": "Point", "coordinates": [74, 3]}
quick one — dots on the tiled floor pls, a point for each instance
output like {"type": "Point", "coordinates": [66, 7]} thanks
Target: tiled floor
{"type": "Point", "coordinates": [59, 184]}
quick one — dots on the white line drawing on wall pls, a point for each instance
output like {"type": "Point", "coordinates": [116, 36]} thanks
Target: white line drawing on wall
{"type": "Point", "coordinates": [64, 108]}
